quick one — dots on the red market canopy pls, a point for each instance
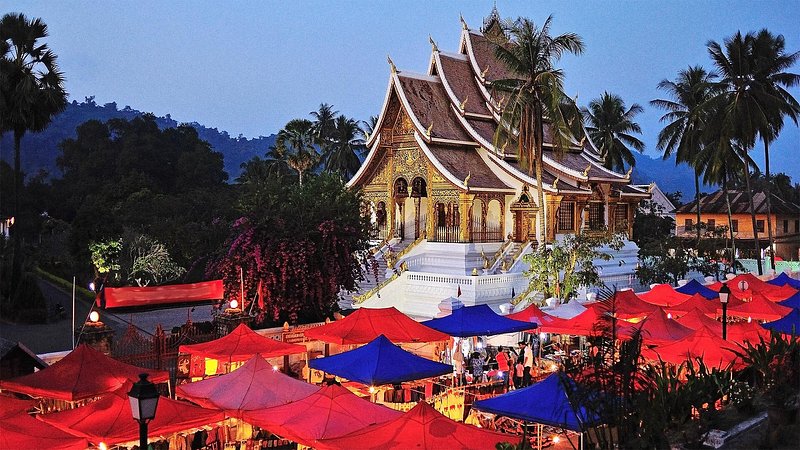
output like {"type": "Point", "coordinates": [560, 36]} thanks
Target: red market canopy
{"type": "Point", "coordinates": [149, 296]}
{"type": "Point", "coordinates": [625, 305]}
{"type": "Point", "coordinates": [533, 314]}
{"type": "Point", "coordinates": [10, 406]}
{"type": "Point", "coordinates": [657, 328]}
{"type": "Point", "coordinates": [21, 431]}
{"type": "Point", "coordinates": [240, 345]}
{"type": "Point", "coordinates": [588, 323]}
{"type": "Point", "coordinates": [366, 324]}
{"type": "Point", "coordinates": [696, 301]}
{"type": "Point", "coordinates": [747, 331]}
{"type": "Point", "coordinates": [696, 319]}
{"type": "Point", "coordinates": [759, 308]}
{"type": "Point", "coordinates": [83, 373]}
{"type": "Point", "coordinates": [702, 343]}
{"type": "Point", "coordinates": [255, 385]}
{"type": "Point", "coordinates": [331, 412]}
{"type": "Point", "coordinates": [423, 428]}
{"type": "Point", "coordinates": [755, 285]}
{"type": "Point", "coordinates": [664, 295]}
{"type": "Point", "coordinates": [109, 419]}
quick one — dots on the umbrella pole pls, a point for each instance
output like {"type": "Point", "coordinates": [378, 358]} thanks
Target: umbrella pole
{"type": "Point", "coordinates": [539, 432]}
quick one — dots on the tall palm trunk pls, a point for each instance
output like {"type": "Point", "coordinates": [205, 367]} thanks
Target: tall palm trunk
{"type": "Point", "coordinates": [538, 137]}
{"type": "Point", "coordinates": [769, 206]}
{"type": "Point", "coordinates": [17, 171]}
{"type": "Point", "coordinates": [730, 219]}
{"type": "Point", "coordinates": [697, 200]}
{"type": "Point", "coordinates": [753, 217]}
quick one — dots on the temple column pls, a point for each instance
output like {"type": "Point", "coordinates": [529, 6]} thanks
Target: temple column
{"type": "Point", "coordinates": [416, 217]}
{"type": "Point", "coordinates": [612, 215]}
{"type": "Point", "coordinates": [553, 202]}
{"type": "Point", "coordinates": [582, 215]}
{"type": "Point", "coordinates": [464, 212]}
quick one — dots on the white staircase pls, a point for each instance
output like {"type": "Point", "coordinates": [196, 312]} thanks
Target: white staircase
{"type": "Point", "coordinates": [375, 272]}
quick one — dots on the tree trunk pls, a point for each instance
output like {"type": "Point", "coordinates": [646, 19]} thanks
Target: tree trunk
{"type": "Point", "coordinates": [697, 199]}
{"type": "Point", "coordinates": [753, 217]}
{"type": "Point", "coordinates": [769, 206]}
{"type": "Point", "coordinates": [730, 220]}
{"type": "Point", "coordinates": [17, 172]}
{"type": "Point", "coordinates": [539, 136]}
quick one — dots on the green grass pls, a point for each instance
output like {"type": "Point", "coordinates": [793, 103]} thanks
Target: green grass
{"type": "Point", "coordinates": [80, 292]}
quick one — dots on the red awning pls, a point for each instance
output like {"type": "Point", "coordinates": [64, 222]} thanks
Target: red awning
{"type": "Point", "coordinates": [331, 412]}
{"type": "Point", "coordinates": [702, 343]}
{"type": "Point", "coordinates": [658, 328]}
{"type": "Point", "coordinates": [664, 295]}
{"type": "Point", "coordinates": [696, 301]}
{"type": "Point", "coordinates": [756, 285]}
{"type": "Point", "coordinates": [240, 345]}
{"type": "Point", "coordinates": [422, 428]}
{"type": "Point", "coordinates": [255, 385]}
{"type": "Point", "coordinates": [126, 297]}
{"type": "Point", "coordinates": [759, 308]}
{"type": "Point", "coordinates": [83, 373]}
{"type": "Point", "coordinates": [696, 319]}
{"type": "Point", "coordinates": [366, 324]}
{"type": "Point", "coordinates": [534, 315]}
{"type": "Point", "coordinates": [109, 420]}
{"type": "Point", "coordinates": [23, 431]}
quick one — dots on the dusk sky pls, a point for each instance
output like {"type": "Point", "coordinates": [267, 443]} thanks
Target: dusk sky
{"type": "Point", "coordinates": [250, 66]}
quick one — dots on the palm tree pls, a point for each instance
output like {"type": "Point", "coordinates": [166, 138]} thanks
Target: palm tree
{"type": "Point", "coordinates": [31, 86]}
{"type": "Point", "coordinates": [535, 94]}
{"type": "Point", "coordinates": [753, 102]}
{"type": "Point", "coordinates": [687, 116]}
{"type": "Point", "coordinates": [368, 127]}
{"type": "Point", "coordinates": [610, 126]}
{"type": "Point", "coordinates": [342, 155]}
{"type": "Point", "coordinates": [298, 139]}
{"type": "Point", "coordinates": [770, 64]}
{"type": "Point", "coordinates": [324, 126]}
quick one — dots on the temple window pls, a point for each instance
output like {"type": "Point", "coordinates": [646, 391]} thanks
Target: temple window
{"type": "Point", "coordinates": [401, 188]}
{"type": "Point", "coordinates": [596, 219]}
{"type": "Point", "coordinates": [566, 216]}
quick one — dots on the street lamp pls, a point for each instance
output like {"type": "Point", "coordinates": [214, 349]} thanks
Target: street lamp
{"type": "Point", "coordinates": [724, 293]}
{"type": "Point", "coordinates": [144, 400]}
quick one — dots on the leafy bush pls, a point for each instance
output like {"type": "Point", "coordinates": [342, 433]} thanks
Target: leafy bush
{"type": "Point", "coordinates": [28, 303]}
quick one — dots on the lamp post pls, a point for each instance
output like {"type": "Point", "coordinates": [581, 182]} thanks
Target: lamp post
{"type": "Point", "coordinates": [144, 400]}
{"type": "Point", "coordinates": [724, 293]}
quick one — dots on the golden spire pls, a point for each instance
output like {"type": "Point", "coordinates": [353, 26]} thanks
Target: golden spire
{"type": "Point", "coordinates": [586, 170]}
{"type": "Point", "coordinates": [428, 131]}
{"type": "Point", "coordinates": [463, 104]}
{"type": "Point", "coordinates": [466, 179]}
{"type": "Point", "coordinates": [391, 64]}
{"type": "Point", "coordinates": [463, 22]}
{"type": "Point", "coordinates": [433, 44]}
{"type": "Point", "coordinates": [555, 183]}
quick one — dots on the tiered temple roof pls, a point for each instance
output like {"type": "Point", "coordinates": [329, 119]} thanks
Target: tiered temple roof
{"type": "Point", "coordinates": [455, 116]}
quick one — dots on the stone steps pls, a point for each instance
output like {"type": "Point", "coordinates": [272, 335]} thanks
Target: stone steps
{"type": "Point", "coordinates": [375, 266]}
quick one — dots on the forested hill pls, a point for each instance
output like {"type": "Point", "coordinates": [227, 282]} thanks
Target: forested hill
{"type": "Point", "coordinates": [40, 150]}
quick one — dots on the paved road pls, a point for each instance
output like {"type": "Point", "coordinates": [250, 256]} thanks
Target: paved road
{"type": "Point", "coordinates": [57, 334]}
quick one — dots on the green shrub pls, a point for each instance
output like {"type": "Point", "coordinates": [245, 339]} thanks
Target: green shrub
{"type": "Point", "coordinates": [28, 303]}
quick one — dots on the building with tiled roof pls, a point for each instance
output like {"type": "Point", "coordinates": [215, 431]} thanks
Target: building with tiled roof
{"type": "Point", "coordinates": [433, 172]}
{"type": "Point", "coordinates": [714, 213]}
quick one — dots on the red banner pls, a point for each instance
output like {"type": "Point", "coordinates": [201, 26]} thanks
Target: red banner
{"type": "Point", "coordinates": [125, 297]}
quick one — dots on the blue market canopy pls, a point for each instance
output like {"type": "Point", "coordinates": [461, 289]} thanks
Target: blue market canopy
{"type": "Point", "coordinates": [788, 324]}
{"type": "Point", "coordinates": [545, 402]}
{"type": "Point", "coordinates": [791, 302]}
{"type": "Point", "coordinates": [784, 279]}
{"type": "Point", "coordinates": [477, 320]}
{"type": "Point", "coordinates": [380, 362]}
{"type": "Point", "coordinates": [694, 287]}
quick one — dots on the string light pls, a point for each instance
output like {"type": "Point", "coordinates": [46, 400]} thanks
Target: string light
{"type": "Point", "coordinates": [275, 368]}
{"type": "Point", "coordinates": [94, 316]}
{"type": "Point", "coordinates": [669, 315]}
{"type": "Point", "coordinates": [372, 389]}
{"type": "Point", "coordinates": [556, 439]}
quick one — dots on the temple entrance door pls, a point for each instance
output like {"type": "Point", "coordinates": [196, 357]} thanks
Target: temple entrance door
{"type": "Point", "coordinates": [520, 230]}
{"type": "Point", "coordinates": [409, 212]}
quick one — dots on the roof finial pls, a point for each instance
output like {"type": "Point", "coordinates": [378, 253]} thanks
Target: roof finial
{"type": "Point", "coordinates": [555, 183]}
{"type": "Point", "coordinates": [583, 141]}
{"type": "Point", "coordinates": [428, 131]}
{"type": "Point", "coordinates": [630, 171]}
{"type": "Point", "coordinates": [463, 22]}
{"type": "Point", "coordinates": [433, 44]}
{"type": "Point", "coordinates": [391, 64]}
{"type": "Point", "coordinates": [466, 179]}
{"type": "Point", "coordinates": [483, 74]}
{"type": "Point", "coordinates": [463, 104]}
{"type": "Point", "coordinates": [586, 170]}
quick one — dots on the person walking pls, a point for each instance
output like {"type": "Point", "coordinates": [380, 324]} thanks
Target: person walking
{"type": "Point", "coordinates": [504, 366]}
{"type": "Point", "coordinates": [526, 355]}
{"type": "Point", "coordinates": [458, 365]}
{"type": "Point", "coordinates": [476, 363]}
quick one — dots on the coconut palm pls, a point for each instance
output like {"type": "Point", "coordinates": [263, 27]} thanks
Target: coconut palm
{"type": "Point", "coordinates": [297, 138]}
{"type": "Point", "coordinates": [31, 86]}
{"type": "Point", "coordinates": [751, 107]}
{"type": "Point", "coordinates": [324, 126]}
{"type": "Point", "coordinates": [770, 62]}
{"type": "Point", "coordinates": [535, 94]}
{"type": "Point", "coordinates": [368, 127]}
{"type": "Point", "coordinates": [342, 155]}
{"type": "Point", "coordinates": [686, 120]}
{"type": "Point", "coordinates": [610, 126]}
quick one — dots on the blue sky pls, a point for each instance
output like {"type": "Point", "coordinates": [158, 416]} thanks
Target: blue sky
{"type": "Point", "coordinates": [250, 66]}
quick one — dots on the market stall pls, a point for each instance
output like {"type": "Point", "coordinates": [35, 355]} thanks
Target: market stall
{"type": "Point", "coordinates": [18, 430]}
{"type": "Point", "coordinates": [788, 324]}
{"type": "Point", "coordinates": [702, 343]}
{"type": "Point", "coordinates": [695, 287]}
{"type": "Point", "coordinates": [477, 320]}
{"type": "Point", "coordinates": [784, 279]}
{"type": "Point", "coordinates": [366, 324]}
{"type": "Point", "coordinates": [664, 295]}
{"type": "Point", "coordinates": [657, 328]}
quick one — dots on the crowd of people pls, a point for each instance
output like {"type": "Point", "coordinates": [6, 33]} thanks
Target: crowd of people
{"type": "Point", "coordinates": [516, 367]}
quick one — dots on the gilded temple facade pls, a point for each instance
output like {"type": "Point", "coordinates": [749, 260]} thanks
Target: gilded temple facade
{"type": "Point", "coordinates": [434, 176]}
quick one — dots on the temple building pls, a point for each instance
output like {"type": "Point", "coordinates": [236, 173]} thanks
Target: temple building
{"type": "Point", "coordinates": [447, 204]}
